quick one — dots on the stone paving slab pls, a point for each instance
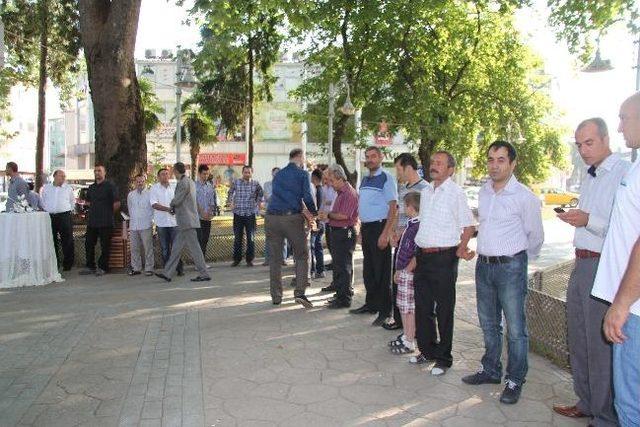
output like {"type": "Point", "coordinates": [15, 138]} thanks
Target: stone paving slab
{"type": "Point", "coordinates": [121, 351]}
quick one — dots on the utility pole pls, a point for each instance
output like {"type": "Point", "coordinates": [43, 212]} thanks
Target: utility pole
{"type": "Point", "coordinates": [332, 113]}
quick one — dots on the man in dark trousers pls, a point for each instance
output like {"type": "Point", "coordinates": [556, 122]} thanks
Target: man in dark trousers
{"type": "Point", "coordinates": [104, 201]}
{"type": "Point", "coordinates": [285, 219]}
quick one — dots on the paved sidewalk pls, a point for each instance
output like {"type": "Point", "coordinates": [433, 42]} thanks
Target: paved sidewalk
{"type": "Point", "coordinates": [135, 351]}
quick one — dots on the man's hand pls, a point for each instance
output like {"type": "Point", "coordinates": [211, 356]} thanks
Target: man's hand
{"type": "Point", "coordinates": [395, 239]}
{"type": "Point", "coordinates": [206, 216]}
{"type": "Point", "coordinates": [614, 320]}
{"type": "Point", "coordinates": [383, 241]}
{"type": "Point", "coordinates": [396, 276]}
{"type": "Point", "coordinates": [323, 216]}
{"type": "Point", "coordinates": [465, 253]}
{"type": "Point", "coordinates": [575, 217]}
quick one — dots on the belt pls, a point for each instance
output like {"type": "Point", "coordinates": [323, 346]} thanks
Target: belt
{"type": "Point", "coordinates": [283, 213]}
{"type": "Point", "coordinates": [503, 259]}
{"type": "Point", "coordinates": [583, 253]}
{"type": "Point", "coordinates": [435, 250]}
{"type": "Point", "coordinates": [333, 227]}
{"type": "Point", "coordinates": [60, 213]}
{"type": "Point", "coordinates": [374, 222]}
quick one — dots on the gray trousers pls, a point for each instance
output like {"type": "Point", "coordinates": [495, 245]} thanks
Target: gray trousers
{"type": "Point", "coordinates": [589, 352]}
{"type": "Point", "coordinates": [291, 227]}
{"type": "Point", "coordinates": [186, 238]}
{"type": "Point", "coordinates": [142, 241]}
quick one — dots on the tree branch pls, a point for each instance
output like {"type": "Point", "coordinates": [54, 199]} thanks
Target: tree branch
{"type": "Point", "coordinates": [461, 71]}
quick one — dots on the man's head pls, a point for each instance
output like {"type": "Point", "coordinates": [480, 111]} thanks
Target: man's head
{"type": "Point", "coordinates": [412, 204]}
{"type": "Point", "coordinates": [203, 172]}
{"type": "Point", "coordinates": [59, 177]}
{"type": "Point", "coordinates": [406, 165]}
{"type": "Point", "coordinates": [441, 166]}
{"type": "Point", "coordinates": [373, 158]}
{"type": "Point", "coordinates": [297, 156]}
{"type": "Point", "coordinates": [630, 121]}
{"type": "Point", "coordinates": [99, 172]}
{"type": "Point", "coordinates": [11, 169]}
{"type": "Point", "coordinates": [247, 171]}
{"type": "Point", "coordinates": [337, 177]}
{"type": "Point", "coordinates": [274, 171]}
{"type": "Point", "coordinates": [163, 176]}
{"type": "Point", "coordinates": [501, 161]}
{"type": "Point", "coordinates": [326, 176]}
{"type": "Point", "coordinates": [316, 177]}
{"type": "Point", "coordinates": [140, 181]}
{"type": "Point", "coordinates": [179, 170]}
{"type": "Point", "coordinates": [592, 141]}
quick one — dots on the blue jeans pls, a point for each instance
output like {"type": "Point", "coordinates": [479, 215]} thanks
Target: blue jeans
{"type": "Point", "coordinates": [167, 235]}
{"type": "Point", "coordinates": [502, 288]}
{"type": "Point", "coordinates": [317, 253]}
{"type": "Point", "coordinates": [242, 224]}
{"type": "Point", "coordinates": [626, 374]}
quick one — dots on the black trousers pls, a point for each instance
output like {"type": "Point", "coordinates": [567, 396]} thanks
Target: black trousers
{"type": "Point", "coordinates": [343, 244]}
{"type": "Point", "coordinates": [62, 228]}
{"type": "Point", "coordinates": [397, 318]}
{"type": "Point", "coordinates": [203, 236]}
{"type": "Point", "coordinates": [376, 269]}
{"type": "Point", "coordinates": [93, 233]}
{"type": "Point", "coordinates": [242, 224]}
{"type": "Point", "coordinates": [435, 285]}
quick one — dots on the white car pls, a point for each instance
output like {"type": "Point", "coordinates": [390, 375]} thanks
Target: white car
{"type": "Point", "coordinates": [3, 201]}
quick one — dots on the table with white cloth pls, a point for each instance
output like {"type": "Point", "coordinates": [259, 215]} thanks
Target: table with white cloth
{"type": "Point", "coordinates": [28, 257]}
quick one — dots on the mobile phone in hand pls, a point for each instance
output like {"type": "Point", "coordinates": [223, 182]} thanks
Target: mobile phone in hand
{"type": "Point", "coordinates": [559, 210]}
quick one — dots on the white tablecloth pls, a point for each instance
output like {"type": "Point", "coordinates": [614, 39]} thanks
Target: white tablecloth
{"type": "Point", "coordinates": [27, 257]}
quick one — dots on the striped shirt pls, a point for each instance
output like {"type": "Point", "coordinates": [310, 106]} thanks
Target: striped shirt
{"type": "Point", "coordinates": [407, 246]}
{"type": "Point", "coordinates": [206, 197]}
{"type": "Point", "coordinates": [246, 197]}
{"type": "Point", "coordinates": [444, 212]}
{"type": "Point", "coordinates": [403, 190]}
{"type": "Point", "coordinates": [346, 204]}
{"type": "Point", "coordinates": [510, 220]}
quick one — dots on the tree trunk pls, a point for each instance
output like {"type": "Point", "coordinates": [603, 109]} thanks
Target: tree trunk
{"type": "Point", "coordinates": [108, 32]}
{"type": "Point", "coordinates": [338, 134]}
{"type": "Point", "coordinates": [42, 94]}
{"type": "Point", "coordinates": [250, 135]}
{"type": "Point", "coordinates": [194, 149]}
{"type": "Point", "coordinates": [425, 150]}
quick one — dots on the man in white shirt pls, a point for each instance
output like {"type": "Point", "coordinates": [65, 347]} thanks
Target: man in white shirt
{"type": "Point", "coordinates": [618, 277]}
{"type": "Point", "coordinates": [589, 352]}
{"type": "Point", "coordinates": [446, 225]}
{"type": "Point", "coordinates": [510, 232]}
{"type": "Point", "coordinates": [140, 222]}
{"type": "Point", "coordinates": [160, 197]}
{"type": "Point", "coordinates": [58, 199]}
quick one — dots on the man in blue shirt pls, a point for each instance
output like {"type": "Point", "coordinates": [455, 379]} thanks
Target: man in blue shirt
{"type": "Point", "coordinates": [207, 200]}
{"type": "Point", "coordinates": [17, 186]}
{"type": "Point", "coordinates": [377, 206]}
{"type": "Point", "coordinates": [291, 194]}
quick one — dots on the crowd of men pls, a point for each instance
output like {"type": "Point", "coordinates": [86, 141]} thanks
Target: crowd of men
{"type": "Point", "coordinates": [413, 232]}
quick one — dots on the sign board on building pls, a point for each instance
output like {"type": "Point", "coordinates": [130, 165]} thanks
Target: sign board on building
{"type": "Point", "coordinates": [383, 137]}
{"type": "Point", "coordinates": [222, 158]}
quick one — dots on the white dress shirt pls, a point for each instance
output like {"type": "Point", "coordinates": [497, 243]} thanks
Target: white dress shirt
{"type": "Point", "coordinates": [596, 199]}
{"type": "Point", "coordinates": [623, 233]}
{"type": "Point", "coordinates": [58, 198]}
{"type": "Point", "coordinates": [140, 210]}
{"type": "Point", "coordinates": [510, 220]}
{"type": "Point", "coordinates": [444, 212]}
{"type": "Point", "coordinates": [163, 196]}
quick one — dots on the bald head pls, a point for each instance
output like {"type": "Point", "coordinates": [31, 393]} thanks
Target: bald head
{"type": "Point", "coordinates": [629, 125]}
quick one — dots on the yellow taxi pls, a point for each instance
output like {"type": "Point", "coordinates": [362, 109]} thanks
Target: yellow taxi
{"type": "Point", "coordinates": [556, 196]}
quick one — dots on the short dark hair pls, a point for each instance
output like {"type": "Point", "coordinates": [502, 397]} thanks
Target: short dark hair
{"type": "Point", "coordinates": [180, 167]}
{"type": "Point", "coordinates": [139, 175]}
{"type": "Point", "coordinates": [373, 148]}
{"type": "Point", "coordinates": [317, 173]}
{"type": "Point", "coordinates": [203, 168]}
{"type": "Point", "coordinates": [277, 168]}
{"type": "Point", "coordinates": [56, 172]}
{"type": "Point", "coordinates": [511, 150]}
{"type": "Point", "coordinates": [412, 199]}
{"type": "Point", "coordinates": [13, 166]}
{"type": "Point", "coordinates": [406, 159]}
{"type": "Point", "coordinates": [295, 153]}
{"type": "Point", "coordinates": [31, 185]}
{"type": "Point", "coordinates": [161, 169]}
{"type": "Point", "coordinates": [246, 167]}
{"type": "Point", "coordinates": [451, 161]}
{"type": "Point", "coordinates": [99, 165]}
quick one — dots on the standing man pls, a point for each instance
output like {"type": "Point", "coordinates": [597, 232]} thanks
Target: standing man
{"type": "Point", "coordinates": [510, 232]}
{"type": "Point", "coordinates": [268, 189]}
{"type": "Point", "coordinates": [589, 351]}
{"type": "Point", "coordinates": [103, 200]}
{"type": "Point", "coordinates": [140, 222]}
{"type": "Point", "coordinates": [185, 207]}
{"type": "Point", "coordinates": [377, 208]}
{"type": "Point", "coordinates": [17, 186]}
{"type": "Point", "coordinates": [446, 225]}
{"type": "Point", "coordinates": [328, 198]}
{"type": "Point", "coordinates": [409, 182]}
{"type": "Point", "coordinates": [207, 206]}
{"type": "Point", "coordinates": [285, 219]}
{"type": "Point", "coordinates": [618, 277]}
{"type": "Point", "coordinates": [244, 198]}
{"type": "Point", "coordinates": [58, 199]}
{"type": "Point", "coordinates": [317, 252]}
{"type": "Point", "coordinates": [160, 198]}
{"type": "Point", "coordinates": [342, 221]}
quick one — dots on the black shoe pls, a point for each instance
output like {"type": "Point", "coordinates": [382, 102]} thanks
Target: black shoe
{"type": "Point", "coordinates": [163, 277]}
{"type": "Point", "coordinates": [180, 273]}
{"type": "Point", "coordinates": [328, 267]}
{"type": "Point", "coordinates": [336, 303]}
{"type": "Point", "coordinates": [480, 377]}
{"type": "Point", "coordinates": [391, 326]}
{"type": "Point", "coordinates": [420, 359]}
{"type": "Point", "coordinates": [511, 393]}
{"type": "Point", "coordinates": [362, 310]}
{"type": "Point", "coordinates": [88, 271]}
{"type": "Point", "coordinates": [249, 263]}
{"type": "Point", "coordinates": [235, 263]}
{"type": "Point", "coordinates": [330, 288]}
{"type": "Point", "coordinates": [66, 268]}
{"type": "Point", "coordinates": [380, 320]}
{"type": "Point", "coordinates": [304, 301]}
{"type": "Point", "coordinates": [133, 273]}
{"type": "Point", "coordinates": [276, 302]}
{"type": "Point", "coordinates": [201, 279]}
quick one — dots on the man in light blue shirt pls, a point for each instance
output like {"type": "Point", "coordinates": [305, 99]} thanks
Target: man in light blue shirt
{"type": "Point", "coordinates": [17, 186]}
{"type": "Point", "coordinates": [377, 206]}
{"type": "Point", "coordinates": [207, 199]}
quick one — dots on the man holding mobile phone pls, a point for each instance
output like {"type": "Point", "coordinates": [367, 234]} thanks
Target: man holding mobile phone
{"type": "Point", "coordinates": [589, 352]}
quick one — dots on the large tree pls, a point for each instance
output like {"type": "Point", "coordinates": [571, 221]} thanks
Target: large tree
{"type": "Point", "coordinates": [108, 32]}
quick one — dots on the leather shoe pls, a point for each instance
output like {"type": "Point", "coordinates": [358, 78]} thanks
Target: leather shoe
{"type": "Point", "coordinates": [569, 411]}
{"type": "Point", "coordinates": [391, 326]}
{"type": "Point", "coordinates": [201, 279]}
{"type": "Point", "coordinates": [338, 304]}
{"type": "Point", "coordinates": [163, 277]}
{"type": "Point", "coordinates": [330, 288]}
{"type": "Point", "coordinates": [379, 321]}
{"type": "Point", "coordinates": [362, 310]}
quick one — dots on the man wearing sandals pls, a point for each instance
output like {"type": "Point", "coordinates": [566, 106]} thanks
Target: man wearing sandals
{"type": "Point", "coordinates": [510, 232]}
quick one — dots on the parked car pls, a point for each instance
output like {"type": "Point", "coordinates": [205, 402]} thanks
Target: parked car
{"type": "Point", "coordinates": [556, 196]}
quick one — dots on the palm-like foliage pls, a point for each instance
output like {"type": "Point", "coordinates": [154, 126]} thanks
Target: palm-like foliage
{"type": "Point", "coordinates": [198, 129]}
{"type": "Point", "coordinates": [150, 105]}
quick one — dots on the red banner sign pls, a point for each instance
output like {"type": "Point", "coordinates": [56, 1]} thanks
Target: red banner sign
{"type": "Point", "coordinates": [222, 158]}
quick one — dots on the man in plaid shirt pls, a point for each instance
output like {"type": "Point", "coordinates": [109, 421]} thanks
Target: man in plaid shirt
{"type": "Point", "coordinates": [244, 199]}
